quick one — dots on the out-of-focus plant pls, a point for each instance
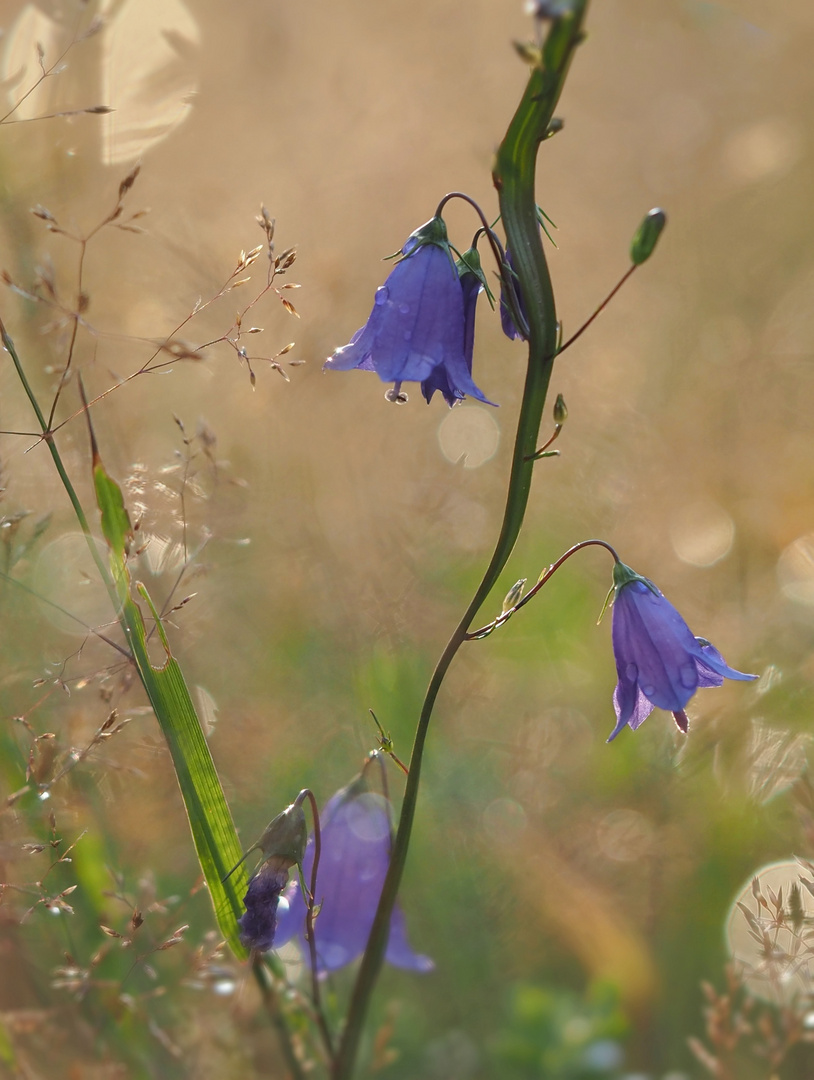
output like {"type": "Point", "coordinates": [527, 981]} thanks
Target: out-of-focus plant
{"type": "Point", "coordinates": [550, 1032]}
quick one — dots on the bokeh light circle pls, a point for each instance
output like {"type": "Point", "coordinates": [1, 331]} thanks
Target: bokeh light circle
{"type": "Point", "coordinates": [702, 533]}
{"type": "Point", "coordinates": [469, 433]}
{"type": "Point", "coordinates": [795, 570]}
{"type": "Point", "coordinates": [780, 967]}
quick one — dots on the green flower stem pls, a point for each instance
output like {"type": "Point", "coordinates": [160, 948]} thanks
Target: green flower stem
{"type": "Point", "coordinates": [66, 482]}
{"type": "Point", "coordinates": [213, 831]}
{"type": "Point", "coordinates": [514, 176]}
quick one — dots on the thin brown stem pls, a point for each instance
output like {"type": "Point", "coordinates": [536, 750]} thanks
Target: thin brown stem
{"type": "Point", "coordinates": [316, 994]}
{"type": "Point", "coordinates": [599, 310]}
{"type": "Point", "coordinates": [46, 73]}
{"type": "Point", "coordinates": [485, 631]}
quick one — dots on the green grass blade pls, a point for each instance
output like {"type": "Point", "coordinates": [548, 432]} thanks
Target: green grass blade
{"type": "Point", "coordinates": [210, 820]}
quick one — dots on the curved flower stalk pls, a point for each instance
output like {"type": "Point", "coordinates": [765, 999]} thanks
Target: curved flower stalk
{"type": "Point", "coordinates": [418, 328]}
{"type": "Point", "coordinates": [659, 661]}
{"type": "Point", "coordinates": [356, 842]}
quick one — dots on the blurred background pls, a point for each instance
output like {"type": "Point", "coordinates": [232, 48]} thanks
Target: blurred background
{"type": "Point", "coordinates": [573, 895]}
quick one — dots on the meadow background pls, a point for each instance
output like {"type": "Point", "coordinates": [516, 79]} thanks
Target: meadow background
{"type": "Point", "coordinates": [573, 895]}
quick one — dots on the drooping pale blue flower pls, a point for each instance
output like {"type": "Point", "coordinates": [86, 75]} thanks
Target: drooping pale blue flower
{"type": "Point", "coordinates": [355, 854]}
{"type": "Point", "coordinates": [259, 922]}
{"type": "Point", "coordinates": [660, 663]}
{"type": "Point", "coordinates": [417, 327]}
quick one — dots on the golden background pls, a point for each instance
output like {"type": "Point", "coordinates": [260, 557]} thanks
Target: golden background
{"type": "Point", "coordinates": [344, 543]}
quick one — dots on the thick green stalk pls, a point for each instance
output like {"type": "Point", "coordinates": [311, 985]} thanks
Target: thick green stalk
{"type": "Point", "coordinates": [514, 175]}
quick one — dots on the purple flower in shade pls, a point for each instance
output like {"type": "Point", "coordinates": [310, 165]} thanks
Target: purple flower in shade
{"type": "Point", "coordinates": [417, 328]}
{"type": "Point", "coordinates": [470, 276]}
{"type": "Point", "coordinates": [259, 922]}
{"type": "Point", "coordinates": [660, 663]}
{"type": "Point", "coordinates": [355, 854]}
{"type": "Point", "coordinates": [510, 328]}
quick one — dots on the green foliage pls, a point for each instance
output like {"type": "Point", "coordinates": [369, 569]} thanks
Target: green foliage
{"type": "Point", "coordinates": [551, 1034]}
{"type": "Point", "coordinates": [211, 822]}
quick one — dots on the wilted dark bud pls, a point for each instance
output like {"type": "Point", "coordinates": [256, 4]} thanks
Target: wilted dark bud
{"type": "Point", "coordinates": [259, 922]}
{"type": "Point", "coordinates": [647, 235]}
{"type": "Point", "coordinates": [560, 411]}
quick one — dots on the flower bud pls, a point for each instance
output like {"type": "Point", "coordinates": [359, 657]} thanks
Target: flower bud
{"type": "Point", "coordinates": [647, 235]}
{"type": "Point", "coordinates": [513, 596]}
{"type": "Point", "coordinates": [560, 411]}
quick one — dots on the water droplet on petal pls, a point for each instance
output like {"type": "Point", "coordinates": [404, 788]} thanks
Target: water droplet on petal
{"type": "Point", "coordinates": [688, 675]}
{"type": "Point", "coordinates": [382, 295]}
{"type": "Point", "coordinates": [404, 309]}
{"type": "Point", "coordinates": [632, 672]}
{"type": "Point", "coordinates": [648, 690]}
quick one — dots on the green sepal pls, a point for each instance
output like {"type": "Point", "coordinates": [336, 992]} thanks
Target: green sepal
{"type": "Point", "coordinates": [469, 263]}
{"type": "Point", "coordinates": [624, 575]}
{"type": "Point", "coordinates": [433, 231]}
{"type": "Point", "coordinates": [286, 835]}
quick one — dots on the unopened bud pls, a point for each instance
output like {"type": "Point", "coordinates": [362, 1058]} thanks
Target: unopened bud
{"type": "Point", "coordinates": [560, 411]}
{"type": "Point", "coordinates": [528, 52]}
{"type": "Point", "coordinates": [647, 235]}
{"type": "Point", "coordinates": [513, 595]}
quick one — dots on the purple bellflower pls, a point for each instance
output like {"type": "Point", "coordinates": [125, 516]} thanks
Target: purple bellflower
{"type": "Point", "coordinates": [660, 663]}
{"type": "Point", "coordinates": [355, 854]}
{"type": "Point", "coordinates": [417, 329]}
{"type": "Point", "coordinates": [470, 276]}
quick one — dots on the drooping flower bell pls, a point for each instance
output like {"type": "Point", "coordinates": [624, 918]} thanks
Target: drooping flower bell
{"type": "Point", "coordinates": [660, 663]}
{"type": "Point", "coordinates": [354, 857]}
{"type": "Point", "coordinates": [417, 328]}
{"type": "Point", "coordinates": [447, 378]}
